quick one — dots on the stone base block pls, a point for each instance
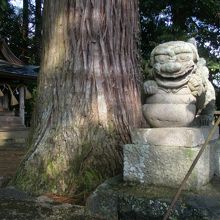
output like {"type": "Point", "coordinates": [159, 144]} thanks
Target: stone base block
{"type": "Point", "coordinates": [115, 200]}
{"type": "Point", "coordinates": [164, 165]}
{"type": "Point", "coordinates": [179, 136]}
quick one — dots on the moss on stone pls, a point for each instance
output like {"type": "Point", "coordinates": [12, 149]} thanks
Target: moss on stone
{"type": "Point", "coordinates": [189, 152]}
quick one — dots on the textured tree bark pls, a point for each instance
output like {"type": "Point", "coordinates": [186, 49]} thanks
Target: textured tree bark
{"type": "Point", "coordinates": [88, 95]}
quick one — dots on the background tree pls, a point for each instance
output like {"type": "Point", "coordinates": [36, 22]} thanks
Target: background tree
{"type": "Point", "coordinates": [180, 20]}
{"type": "Point", "coordinates": [10, 26]}
{"type": "Point", "coordinates": [25, 29]}
{"type": "Point", "coordinates": [21, 28]}
{"type": "Point", "coordinates": [38, 27]}
{"type": "Point", "coordinates": [88, 95]}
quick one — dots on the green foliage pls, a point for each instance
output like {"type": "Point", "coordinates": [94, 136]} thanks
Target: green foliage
{"type": "Point", "coordinates": [180, 20]}
{"type": "Point", "coordinates": [90, 180]}
{"type": "Point", "coordinates": [11, 30]}
{"type": "Point", "coordinates": [214, 65]}
{"type": "Point", "coordinates": [10, 27]}
{"type": "Point", "coordinates": [3, 4]}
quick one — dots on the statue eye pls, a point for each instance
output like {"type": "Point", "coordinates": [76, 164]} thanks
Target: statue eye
{"type": "Point", "coordinates": [162, 58]}
{"type": "Point", "coordinates": [184, 56]}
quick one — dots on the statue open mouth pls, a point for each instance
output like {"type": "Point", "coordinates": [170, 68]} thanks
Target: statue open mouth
{"type": "Point", "coordinates": [174, 81]}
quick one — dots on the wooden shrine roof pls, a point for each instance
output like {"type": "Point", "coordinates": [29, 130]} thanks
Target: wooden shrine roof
{"type": "Point", "coordinates": [13, 68]}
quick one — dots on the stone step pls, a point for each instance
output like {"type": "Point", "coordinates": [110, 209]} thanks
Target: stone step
{"type": "Point", "coordinates": [13, 138]}
{"type": "Point", "coordinates": [7, 113]}
{"type": "Point", "coordinates": [12, 128]}
{"type": "Point", "coordinates": [12, 122]}
{"type": "Point", "coordinates": [14, 134]}
{"type": "Point", "coordinates": [19, 142]}
{"type": "Point", "coordinates": [6, 123]}
{"type": "Point", "coordinates": [10, 119]}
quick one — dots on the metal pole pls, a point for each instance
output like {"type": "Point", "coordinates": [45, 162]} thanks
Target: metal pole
{"type": "Point", "coordinates": [166, 216]}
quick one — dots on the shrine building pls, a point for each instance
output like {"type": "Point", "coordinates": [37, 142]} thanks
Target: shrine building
{"type": "Point", "coordinates": [14, 78]}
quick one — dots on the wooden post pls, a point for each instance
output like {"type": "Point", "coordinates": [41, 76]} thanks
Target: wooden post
{"type": "Point", "coordinates": [5, 102]}
{"type": "Point", "coordinates": [1, 104]}
{"type": "Point", "coordinates": [21, 104]}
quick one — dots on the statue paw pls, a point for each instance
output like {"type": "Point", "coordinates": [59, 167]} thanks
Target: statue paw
{"type": "Point", "coordinates": [196, 85]}
{"type": "Point", "coordinates": [150, 87]}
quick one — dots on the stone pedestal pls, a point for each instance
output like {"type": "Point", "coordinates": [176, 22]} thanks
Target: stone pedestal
{"type": "Point", "coordinates": [163, 156]}
{"type": "Point", "coordinates": [114, 200]}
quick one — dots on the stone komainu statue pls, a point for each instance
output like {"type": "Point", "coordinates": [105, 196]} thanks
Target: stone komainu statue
{"type": "Point", "coordinates": [180, 93]}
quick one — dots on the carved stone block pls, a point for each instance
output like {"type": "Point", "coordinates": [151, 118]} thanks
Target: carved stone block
{"type": "Point", "coordinates": [165, 160]}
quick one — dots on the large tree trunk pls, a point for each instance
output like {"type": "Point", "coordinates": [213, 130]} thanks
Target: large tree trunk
{"type": "Point", "coordinates": [88, 96]}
